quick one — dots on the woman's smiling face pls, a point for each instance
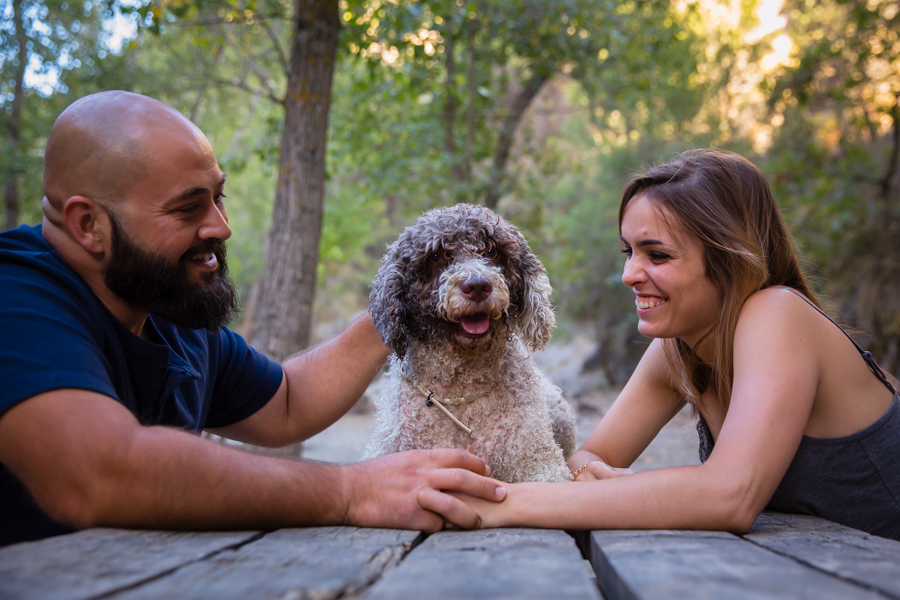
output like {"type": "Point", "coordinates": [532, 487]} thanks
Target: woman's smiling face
{"type": "Point", "coordinates": [664, 266]}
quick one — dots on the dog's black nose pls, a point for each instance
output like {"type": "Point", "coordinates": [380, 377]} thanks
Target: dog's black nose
{"type": "Point", "coordinates": [476, 289]}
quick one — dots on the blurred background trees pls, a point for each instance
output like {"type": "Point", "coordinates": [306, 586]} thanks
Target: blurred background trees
{"type": "Point", "coordinates": [834, 159]}
{"type": "Point", "coordinates": [50, 54]}
{"type": "Point", "coordinates": [537, 108]}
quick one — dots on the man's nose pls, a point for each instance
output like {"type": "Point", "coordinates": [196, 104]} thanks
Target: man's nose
{"type": "Point", "coordinates": [215, 224]}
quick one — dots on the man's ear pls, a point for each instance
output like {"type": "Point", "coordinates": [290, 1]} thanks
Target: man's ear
{"type": "Point", "coordinates": [88, 224]}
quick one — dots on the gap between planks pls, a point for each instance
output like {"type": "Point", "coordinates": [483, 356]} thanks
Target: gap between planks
{"type": "Point", "coordinates": [358, 592]}
{"type": "Point", "coordinates": [813, 566]}
{"type": "Point", "coordinates": [146, 580]}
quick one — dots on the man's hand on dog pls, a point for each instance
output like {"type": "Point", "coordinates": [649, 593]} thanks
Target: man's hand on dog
{"type": "Point", "coordinates": [409, 490]}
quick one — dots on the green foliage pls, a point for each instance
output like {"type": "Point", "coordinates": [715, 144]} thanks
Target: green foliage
{"type": "Point", "coordinates": [449, 70]}
{"type": "Point", "coordinates": [69, 55]}
{"type": "Point", "coordinates": [423, 91]}
{"type": "Point", "coordinates": [419, 99]}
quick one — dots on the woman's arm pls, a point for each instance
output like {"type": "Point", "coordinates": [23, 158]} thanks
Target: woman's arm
{"type": "Point", "coordinates": [776, 377]}
{"type": "Point", "coordinates": [645, 405]}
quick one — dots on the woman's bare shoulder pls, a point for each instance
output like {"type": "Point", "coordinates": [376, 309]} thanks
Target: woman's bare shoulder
{"type": "Point", "coordinates": [778, 306]}
{"type": "Point", "coordinates": [780, 332]}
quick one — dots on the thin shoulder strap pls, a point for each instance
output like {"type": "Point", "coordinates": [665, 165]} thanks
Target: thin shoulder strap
{"type": "Point", "coordinates": [867, 356]}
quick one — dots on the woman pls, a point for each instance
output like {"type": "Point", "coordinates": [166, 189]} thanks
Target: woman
{"type": "Point", "coordinates": [793, 415]}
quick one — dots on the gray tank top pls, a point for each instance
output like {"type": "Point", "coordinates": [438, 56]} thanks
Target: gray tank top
{"type": "Point", "coordinates": [853, 480]}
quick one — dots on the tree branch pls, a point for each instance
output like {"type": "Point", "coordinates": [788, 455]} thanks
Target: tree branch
{"type": "Point", "coordinates": [282, 57]}
{"type": "Point", "coordinates": [239, 133]}
{"type": "Point", "coordinates": [240, 19]}
{"type": "Point", "coordinates": [471, 90]}
{"type": "Point", "coordinates": [201, 93]}
{"type": "Point", "coordinates": [887, 181]}
{"type": "Point", "coordinates": [242, 85]}
{"type": "Point", "coordinates": [450, 103]}
{"type": "Point", "coordinates": [250, 65]}
{"type": "Point", "coordinates": [507, 133]}
{"type": "Point", "coordinates": [15, 119]}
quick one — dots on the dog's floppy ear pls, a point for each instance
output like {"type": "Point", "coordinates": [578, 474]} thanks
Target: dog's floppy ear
{"type": "Point", "coordinates": [389, 301]}
{"type": "Point", "coordinates": [534, 318]}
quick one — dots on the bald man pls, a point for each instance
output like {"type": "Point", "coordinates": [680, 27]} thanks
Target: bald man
{"type": "Point", "coordinates": [114, 356]}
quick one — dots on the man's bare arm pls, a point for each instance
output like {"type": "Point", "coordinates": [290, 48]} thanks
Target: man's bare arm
{"type": "Point", "coordinates": [88, 462]}
{"type": "Point", "coordinates": [319, 386]}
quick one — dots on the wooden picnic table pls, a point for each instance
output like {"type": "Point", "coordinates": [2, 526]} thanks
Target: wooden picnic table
{"type": "Point", "coordinates": [783, 556]}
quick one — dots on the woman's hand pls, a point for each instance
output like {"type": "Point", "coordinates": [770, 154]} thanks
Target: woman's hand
{"type": "Point", "coordinates": [597, 469]}
{"type": "Point", "coordinates": [488, 516]}
{"type": "Point", "coordinates": [591, 467]}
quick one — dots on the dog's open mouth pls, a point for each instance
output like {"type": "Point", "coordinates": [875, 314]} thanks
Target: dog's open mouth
{"type": "Point", "coordinates": [475, 325]}
{"type": "Point", "coordinates": [474, 332]}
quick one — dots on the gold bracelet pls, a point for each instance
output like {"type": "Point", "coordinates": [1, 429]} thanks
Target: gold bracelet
{"type": "Point", "coordinates": [579, 471]}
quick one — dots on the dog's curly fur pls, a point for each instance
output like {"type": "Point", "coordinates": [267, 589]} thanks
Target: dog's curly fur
{"type": "Point", "coordinates": [424, 307]}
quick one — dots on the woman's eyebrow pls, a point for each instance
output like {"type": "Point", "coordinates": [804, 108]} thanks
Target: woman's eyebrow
{"type": "Point", "coordinates": [647, 242]}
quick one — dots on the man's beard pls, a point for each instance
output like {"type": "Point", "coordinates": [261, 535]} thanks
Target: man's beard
{"type": "Point", "coordinates": [148, 282]}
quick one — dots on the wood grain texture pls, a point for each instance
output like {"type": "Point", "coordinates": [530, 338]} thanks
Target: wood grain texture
{"type": "Point", "coordinates": [652, 565]}
{"type": "Point", "coordinates": [91, 563]}
{"type": "Point", "coordinates": [848, 553]}
{"type": "Point", "coordinates": [496, 564]}
{"type": "Point", "coordinates": [318, 562]}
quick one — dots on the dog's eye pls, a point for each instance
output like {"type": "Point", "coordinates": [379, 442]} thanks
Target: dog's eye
{"type": "Point", "coordinates": [490, 252]}
{"type": "Point", "coordinates": [434, 258]}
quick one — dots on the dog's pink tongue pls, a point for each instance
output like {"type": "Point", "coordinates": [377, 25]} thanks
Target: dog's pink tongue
{"type": "Point", "coordinates": [475, 324]}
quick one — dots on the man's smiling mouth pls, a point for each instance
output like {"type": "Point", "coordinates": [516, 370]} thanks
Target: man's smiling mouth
{"type": "Point", "coordinates": [206, 259]}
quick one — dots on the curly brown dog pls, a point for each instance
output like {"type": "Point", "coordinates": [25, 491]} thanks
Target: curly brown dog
{"type": "Point", "coordinates": [460, 298]}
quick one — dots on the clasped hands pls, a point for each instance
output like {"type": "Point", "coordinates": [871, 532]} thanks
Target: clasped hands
{"type": "Point", "coordinates": [419, 489]}
{"type": "Point", "coordinates": [432, 490]}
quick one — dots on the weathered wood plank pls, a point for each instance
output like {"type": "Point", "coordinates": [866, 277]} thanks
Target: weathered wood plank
{"type": "Point", "coordinates": [99, 561]}
{"type": "Point", "coordinates": [319, 562]}
{"type": "Point", "coordinates": [496, 564]}
{"type": "Point", "coordinates": [854, 555]}
{"type": "Point", "coordinates": [652, 565]}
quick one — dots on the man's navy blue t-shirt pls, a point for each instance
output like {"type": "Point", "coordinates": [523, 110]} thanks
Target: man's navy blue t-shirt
{"type": "Point", "coordinates": [55, 333]}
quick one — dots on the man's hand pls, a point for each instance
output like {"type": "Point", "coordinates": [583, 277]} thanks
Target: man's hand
{"type": "Point", "coordinates": [408, 490]}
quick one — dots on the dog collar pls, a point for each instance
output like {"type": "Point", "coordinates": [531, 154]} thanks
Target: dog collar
{"type": "Point", "coordinates": [431, 398]}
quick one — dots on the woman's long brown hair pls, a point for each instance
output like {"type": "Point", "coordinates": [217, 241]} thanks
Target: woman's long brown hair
{"type": "Point", "coordinates": [724, 201]}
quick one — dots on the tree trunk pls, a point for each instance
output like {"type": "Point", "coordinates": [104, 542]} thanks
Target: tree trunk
{"type": "Point", "coordinates": [507, 133]}
{"type": "Point", "coordinates": [15, 122]}
{"type": "Point", "coordinates": [285, 312]}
